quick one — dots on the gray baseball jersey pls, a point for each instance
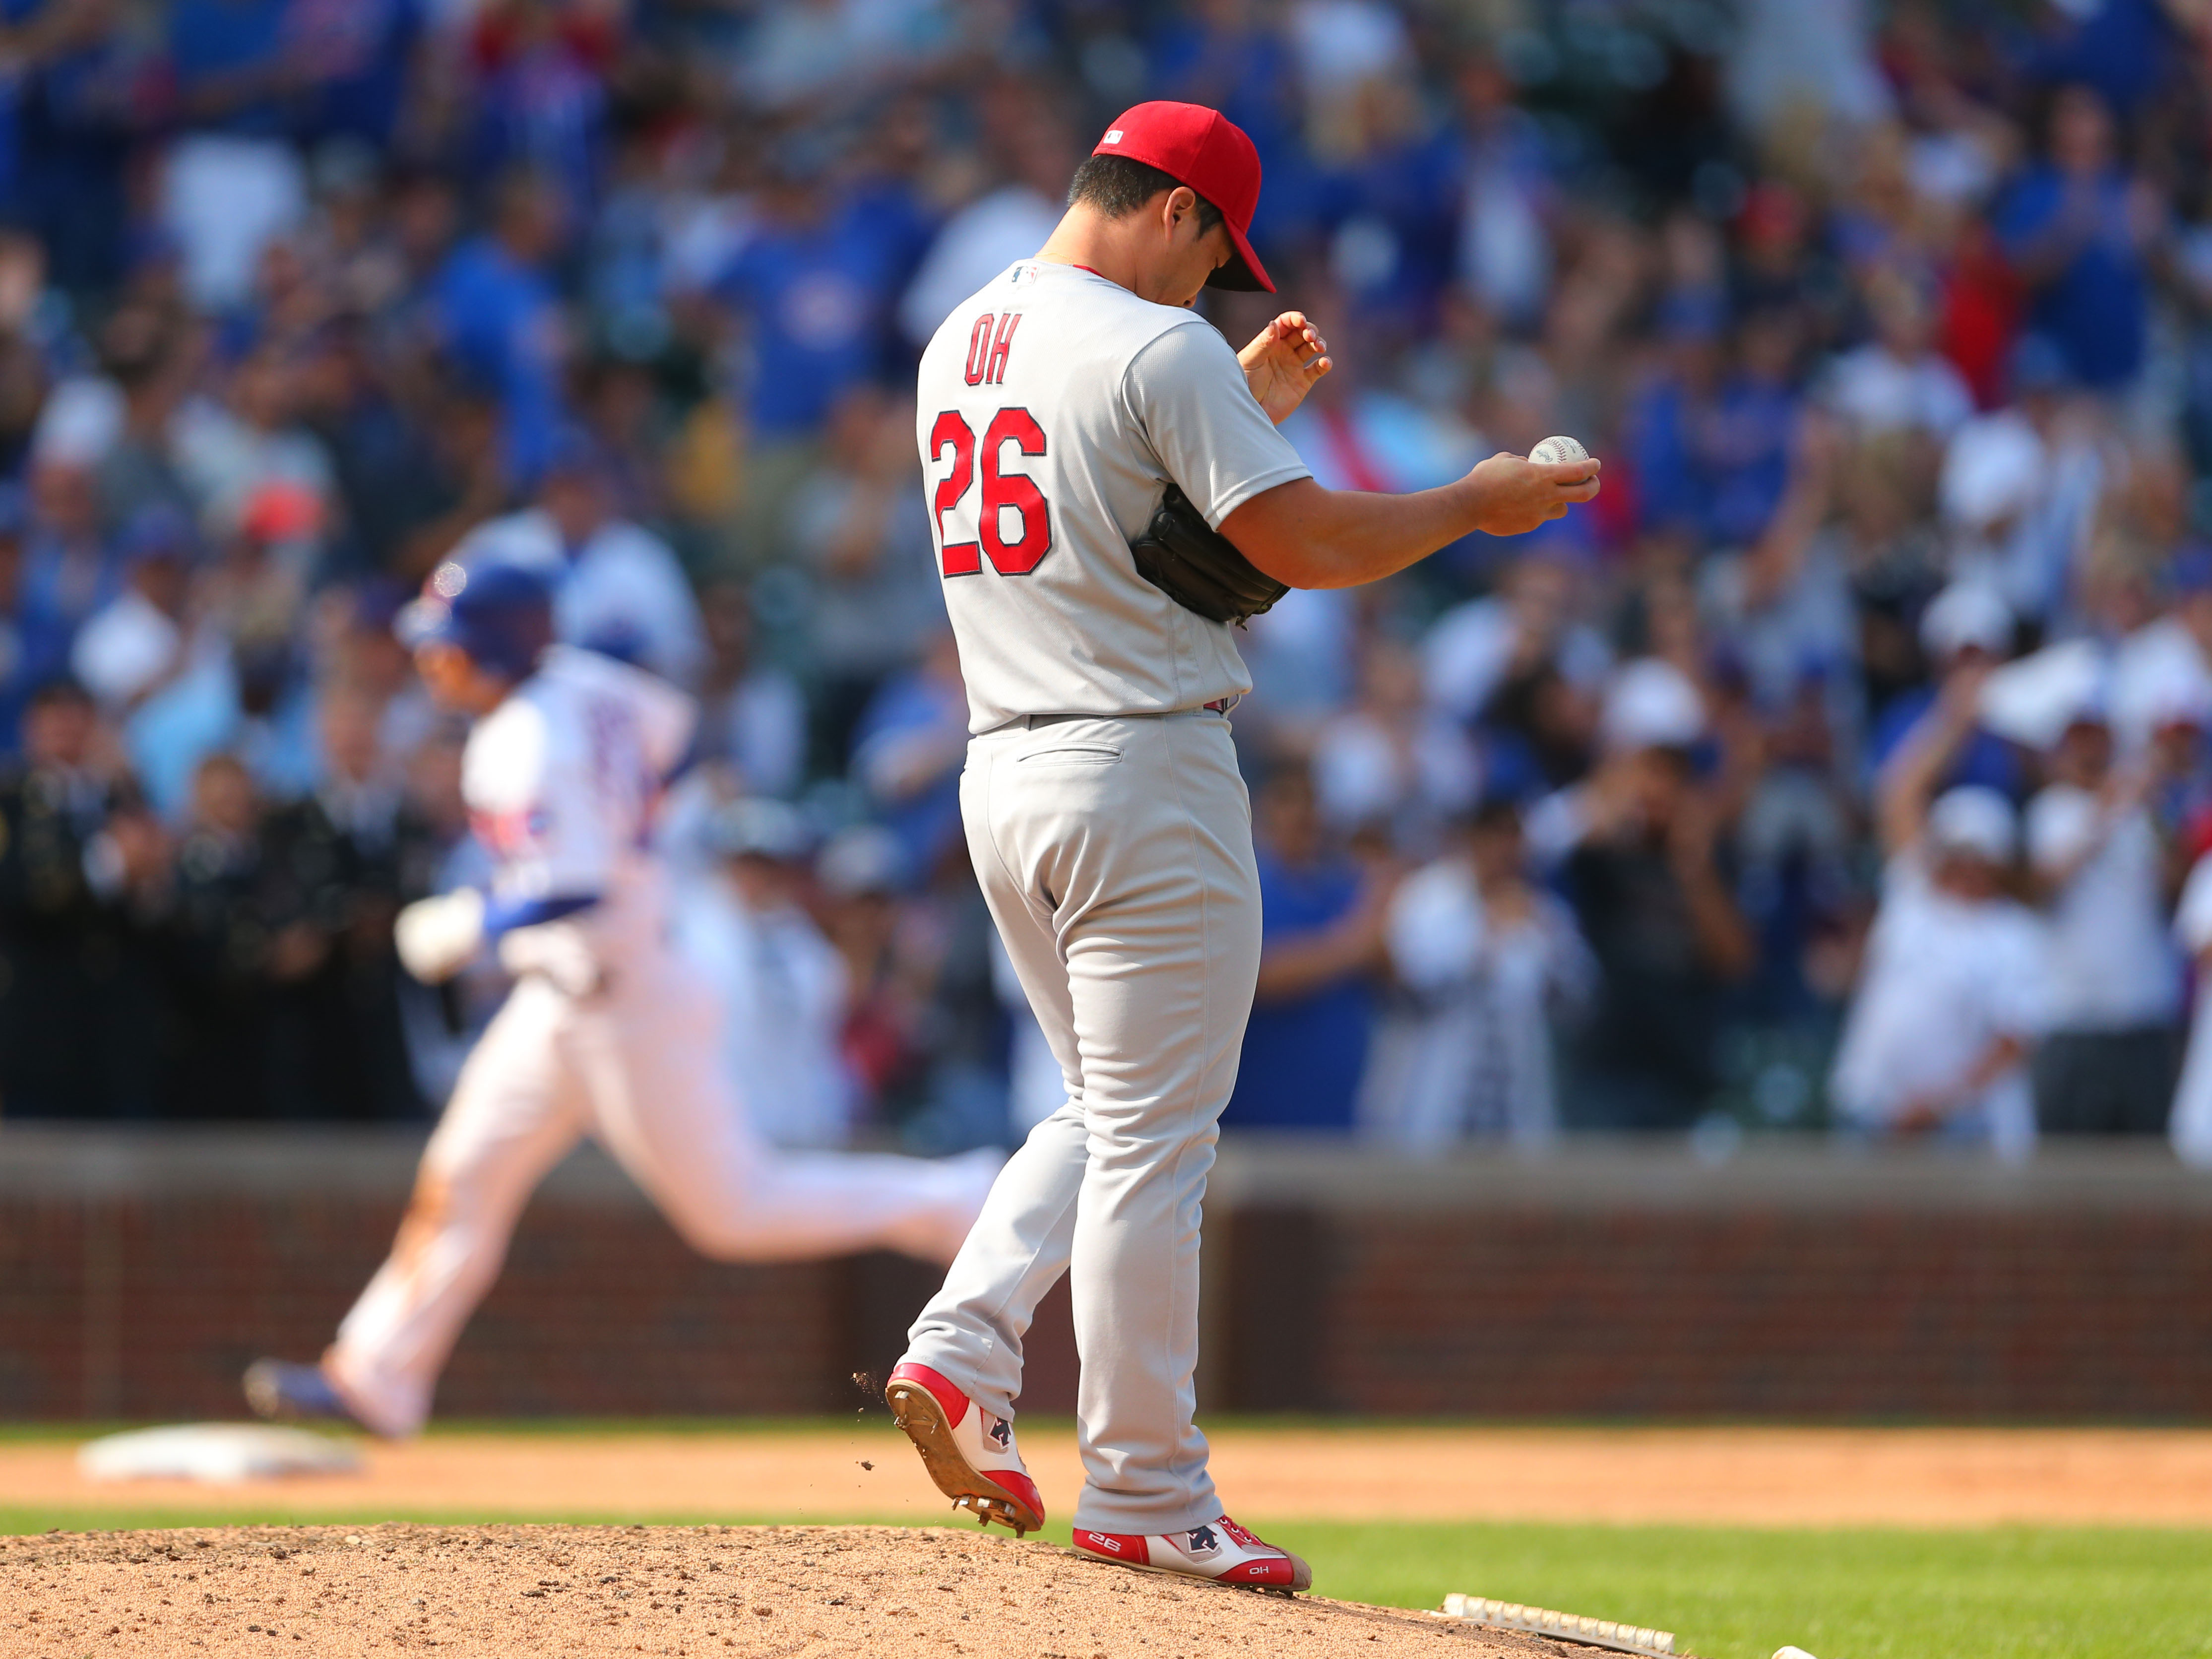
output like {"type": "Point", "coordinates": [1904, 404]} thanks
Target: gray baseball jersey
{"type": "Point", "coordinates": [1054, 407]}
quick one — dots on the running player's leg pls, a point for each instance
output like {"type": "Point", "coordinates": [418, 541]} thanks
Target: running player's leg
{"type": "Point", "coordinates": [972, 1331]}
{"type": "Point", "coordinates": [516, 1112]}
{"type": "Point", "coordinates": [649, 1055]}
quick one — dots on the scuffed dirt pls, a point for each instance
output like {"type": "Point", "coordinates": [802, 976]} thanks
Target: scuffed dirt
{"type": "Point", "coordinates": [684, 1590]}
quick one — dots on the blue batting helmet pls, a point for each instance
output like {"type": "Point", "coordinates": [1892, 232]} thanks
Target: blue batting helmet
{"type": "Point", "coordinates": [501, 614]}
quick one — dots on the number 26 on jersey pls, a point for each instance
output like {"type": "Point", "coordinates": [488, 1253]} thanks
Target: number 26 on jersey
{"type": "Point", "coordinates": [1010, 501]}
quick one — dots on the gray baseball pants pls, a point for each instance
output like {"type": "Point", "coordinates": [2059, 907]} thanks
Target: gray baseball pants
{"type": "Point", "coordinates": [1116, 857]}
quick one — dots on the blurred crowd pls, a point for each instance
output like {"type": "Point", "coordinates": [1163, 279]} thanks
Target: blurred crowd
{"type": "Point", "coordinates": [1843, 765]}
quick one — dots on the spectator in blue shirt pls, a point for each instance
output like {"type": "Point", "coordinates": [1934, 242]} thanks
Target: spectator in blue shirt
{"type": "Point", "coordinates": [815, 285]}
{"type": "Point", "coordinates": [1234, 56]}
{"type": "Point", "coordinates": [1660, 427]}
{"type": "Point", "coordinates": [1747, 444]}
{"type": "Point", "coordinates": [230, 63]}
{"type": "Point", "coordinates": [1712, 451]}
{"type": "Point", "coordinates": [69, 568]}
{"type": "Point", "coordinates": [25, 659]}
{"type": "Point", "coordinates": [1402, 189]}
{"type": "Point", "coordinates": [1967, 630]}
{"type": "Point", "coordinates": [1320, 950]}
{"type": "Point", "coordinates": [907, 751]}
{"type": "Point", "coordinates": [356, 53]}
{"type": "Point", "coordinates": [542, 101]}
{"type": "Point", "coordinates": [2076, 228]}
{"type": "Point", "coordinates": [500, 319]}
{"type": "Point", "coordinates": [2123, 48]}
{"type": "Point", "coordinates": [75, 88]}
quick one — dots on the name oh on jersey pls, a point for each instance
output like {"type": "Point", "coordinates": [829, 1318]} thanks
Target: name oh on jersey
{"type": "Point", "coordinates": [987, 349]}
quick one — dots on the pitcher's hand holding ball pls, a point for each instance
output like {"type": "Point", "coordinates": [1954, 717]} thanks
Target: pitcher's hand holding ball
{"type": "Point", "coordinates": [1521, 494]}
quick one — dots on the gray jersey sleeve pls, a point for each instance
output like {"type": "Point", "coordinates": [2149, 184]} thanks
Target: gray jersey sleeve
{"type": "Point", "coordinates": [1186, 392]}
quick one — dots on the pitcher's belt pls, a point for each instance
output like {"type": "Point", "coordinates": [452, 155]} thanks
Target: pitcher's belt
{"type": "Point", "coordinates": [1219, 705]}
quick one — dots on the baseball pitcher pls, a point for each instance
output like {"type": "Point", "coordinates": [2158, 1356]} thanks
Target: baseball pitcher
{"type": "Point", "coordinates": [607, 1032]}
{"type": "Point", "coordinates": [1111, 496]}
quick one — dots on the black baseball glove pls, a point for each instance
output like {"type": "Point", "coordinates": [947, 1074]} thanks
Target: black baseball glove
{"type": "Point", "coordinates": [1199, 568]}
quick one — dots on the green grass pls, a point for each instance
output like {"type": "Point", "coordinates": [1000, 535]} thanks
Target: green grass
{"type": "Point", "coordinates": [1728, 1593]}
{"type": "Point", "coordinates": [1856, 1593]}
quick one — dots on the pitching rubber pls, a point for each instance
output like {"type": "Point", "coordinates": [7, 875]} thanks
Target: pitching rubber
{"type": "Point", "coordinates": [916, 1411]}
{"type": "Point", "coordinates": [1566, 1626]}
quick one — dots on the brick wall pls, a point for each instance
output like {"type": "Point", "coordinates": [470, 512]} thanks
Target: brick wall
{"type": "Point", "coordinates": [1892, 1314]}
{"type": "Point", "coordinates": [150, 1307]}
{"type": "Point", "coordinates": [139, 1275]}
{"type": "Point", "coordinates": [1800, 1283]}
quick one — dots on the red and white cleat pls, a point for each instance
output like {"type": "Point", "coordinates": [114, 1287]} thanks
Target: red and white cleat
{"type": "Point", "coordinates": [968, 1452]}
{"type": "Point", "coordinates": [1223, 1552]}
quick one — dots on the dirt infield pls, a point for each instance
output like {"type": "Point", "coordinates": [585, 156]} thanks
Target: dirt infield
{"type": "Point", "coordinates": [770, 1591]}
{"type": "Point", "coordinates": [866, 1471]}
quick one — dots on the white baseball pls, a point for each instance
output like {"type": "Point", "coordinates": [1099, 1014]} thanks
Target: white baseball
{"type": "Point", "coordinates": [1791, 1653]}
{"type": "Point", "coordinates": [1556, 451]}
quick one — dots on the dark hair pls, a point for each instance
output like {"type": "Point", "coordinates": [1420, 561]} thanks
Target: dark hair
{"type": "Point", "coordinates": [1494, 812]}
{"type": "Point", "coordinates": [1118, 186]}
{"type": "Point", "coordinates": [60, 688]}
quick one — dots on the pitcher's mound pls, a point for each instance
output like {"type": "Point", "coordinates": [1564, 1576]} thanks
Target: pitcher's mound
{"type": "Point", "coordinates": [896, 1592]}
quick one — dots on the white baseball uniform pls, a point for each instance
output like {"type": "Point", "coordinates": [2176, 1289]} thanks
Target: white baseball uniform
{"type": "Point", "coordinates": [1945, 977]}
{"type": "Point", "coordinates": [1111, 834]}
{"type": "Point", "coordinates": [608, 1033]}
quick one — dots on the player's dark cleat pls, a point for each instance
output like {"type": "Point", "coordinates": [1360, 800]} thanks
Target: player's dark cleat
{"type": "Point", "coordinates": [969, 1453]}
{"type": "Point", "coordinates": [1223, 1552]}
{"type": "Point", "coordinates": [285, 1393]}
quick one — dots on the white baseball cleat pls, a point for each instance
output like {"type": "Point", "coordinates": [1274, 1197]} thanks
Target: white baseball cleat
{"type": "Point", "coordinates": [1223, 1552]}
{"type": "Point", "coordinates": [968, 1452]}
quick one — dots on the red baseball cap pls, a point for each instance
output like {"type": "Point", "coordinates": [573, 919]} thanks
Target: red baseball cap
{"type": "Point", "coordinates": [1205, 149]}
